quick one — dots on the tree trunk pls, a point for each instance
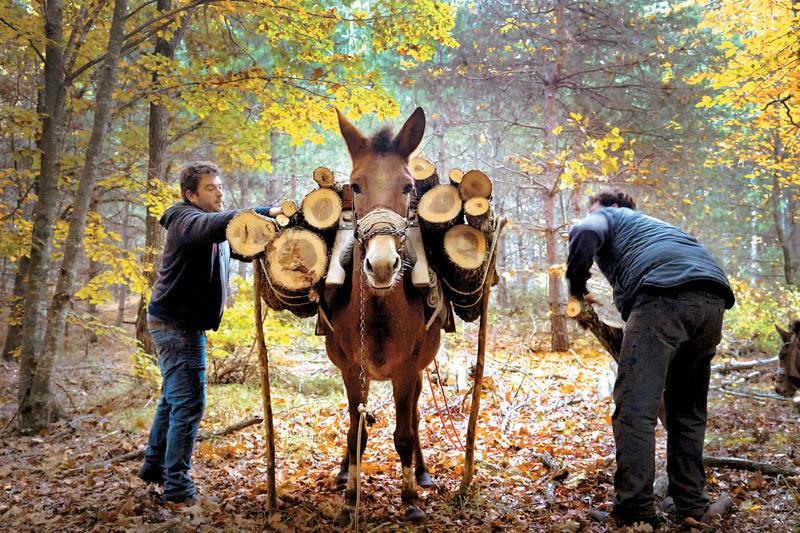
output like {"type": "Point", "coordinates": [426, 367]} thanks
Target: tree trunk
{"type": "Point", "coordinates": [784, 204]}
{"type": "Point", "coordinates": [14, 333]}
{"type": "Point", "coordinates": [36, 412]}
{"type": "Point", "coordinates": [559, 338]}
{"type": "Point", "coordinates": [91, 307]}
{"type": "Point", "coordinates": [122, 292]}
{"type": "Point", "coordinates": [44, 214]}
{"type": "Point", "coordinates": [293, 171]}
{"type": "Point", "coordinates": [156, 167]}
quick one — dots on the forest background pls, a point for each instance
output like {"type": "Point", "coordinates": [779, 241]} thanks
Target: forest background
{"type": "Point", "coordinates": [691, 106]}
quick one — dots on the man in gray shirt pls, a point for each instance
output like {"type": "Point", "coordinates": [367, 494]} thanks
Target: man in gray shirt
{"type": "Point", "coordinates": [672, 295]}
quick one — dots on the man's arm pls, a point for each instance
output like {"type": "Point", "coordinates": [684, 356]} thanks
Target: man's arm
{"type": "Point", "coordinates": [585, 240]}
{"type": "Point", "coordinates": [199, 227]}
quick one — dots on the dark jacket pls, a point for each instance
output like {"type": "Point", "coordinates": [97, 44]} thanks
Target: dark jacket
{"type": "Point", "coordinates": [192, 283]}
{"type": "Point", "coordinates": [636, 252]}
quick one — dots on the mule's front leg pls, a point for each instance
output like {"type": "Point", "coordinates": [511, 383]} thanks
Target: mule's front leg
{"type": "Point", "coordinates": [355, 397]}
{"type": "Point", "coordinates": [405, 390]}
{"type": "Point", "coordinates": [420, 470]}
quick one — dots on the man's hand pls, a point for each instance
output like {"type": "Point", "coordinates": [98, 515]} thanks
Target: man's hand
{"type": "Point", "coordinates": [590, 299]}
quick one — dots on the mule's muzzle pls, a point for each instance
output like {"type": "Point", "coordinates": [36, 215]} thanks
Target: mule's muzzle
{"type": "Point", "coordinates": [382, 262]}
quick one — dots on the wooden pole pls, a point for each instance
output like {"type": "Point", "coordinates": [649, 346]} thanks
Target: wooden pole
{"type": "Point", "coordinates": [263, 363]}
{"type": "Point", "coordinates": [469, 454]}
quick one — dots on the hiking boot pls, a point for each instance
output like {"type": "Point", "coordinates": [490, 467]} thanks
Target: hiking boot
{"type": "Point", "coordinates": [617, 520]}
{"type": "Point", "coordinates": [148, 474]}
{"type": "Point", "coordinates": [715, 510]}
{"type": "Point", "coordinates": [620, 520]}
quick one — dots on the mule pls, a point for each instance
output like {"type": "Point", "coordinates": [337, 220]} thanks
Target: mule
{"type": "Point", "coordinates": [378, 317]}
{"type": "Point", "coordinates": [787, 378]}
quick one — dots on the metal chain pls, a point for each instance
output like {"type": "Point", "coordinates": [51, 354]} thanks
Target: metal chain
{"type": "Point", "coordinates": [362, 328]}
{"type": "Point", "coordinates": [362, 408]}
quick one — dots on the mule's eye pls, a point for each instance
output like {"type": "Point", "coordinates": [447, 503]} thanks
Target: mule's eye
{"type": "Point", "coordinates": [356, 188]}
{"type": "Point", "coordinates": [408, 188]}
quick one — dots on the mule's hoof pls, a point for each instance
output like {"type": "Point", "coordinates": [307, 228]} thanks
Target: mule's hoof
{"type": "Point", "coordinates": [413, 514]}
{"type": "Point", "coordinates": [341, 479]}
{"type": "Point", "coordinates": [345, 518]}
{"type": "Point", "coordinates": [424, 480]}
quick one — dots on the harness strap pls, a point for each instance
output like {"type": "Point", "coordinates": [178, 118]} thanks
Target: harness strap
{"type": "Point", "coordinates": [380, 221]}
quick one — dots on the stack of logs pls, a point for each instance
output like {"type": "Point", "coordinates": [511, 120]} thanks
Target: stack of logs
{"type": "Point", "coordinates": [458, 227]}
{"type": "Point", "coordinates": [296, 245]}
{"type": "Point", "coordinates": [456, 221]}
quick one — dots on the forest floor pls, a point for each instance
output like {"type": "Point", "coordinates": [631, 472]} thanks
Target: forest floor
{"type": "Point", "coordinates": [534, 402]}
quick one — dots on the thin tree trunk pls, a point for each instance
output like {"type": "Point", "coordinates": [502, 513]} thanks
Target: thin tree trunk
{"type": "Point", "coordinates": [14, 334]}
{"type": "Point", "coordinates": [38, 410]}
{"type": "Point", "coordinates": [156, 168]}
{"type": "Point", "coordinates": [122, 292]}
{"type": "Point", "coordinates": [91, 307]}
{"type": "Point", "coordinates": [44, 214]}
{"type": "Point", "coordinates": [293, 167]}
{"type": "Point", "coordinates": [559, 338]}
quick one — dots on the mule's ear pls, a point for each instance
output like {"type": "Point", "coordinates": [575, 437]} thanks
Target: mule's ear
{"type": "Point", "coordinates": [356, 142]}
{"type": "Point", "coordinates": [411, 133]}
{"type": "Point", "coordinates": [785, 335]}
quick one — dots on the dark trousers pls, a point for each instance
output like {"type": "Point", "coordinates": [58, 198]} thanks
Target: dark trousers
{"type": "Point", "coordinates": [182, 361]}
{"type": "Point", "coordinates": [667, 348]}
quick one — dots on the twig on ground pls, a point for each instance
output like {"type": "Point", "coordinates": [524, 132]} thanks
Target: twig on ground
{"type": "Point", "coordinates": [752, 466]}
{"type": "Point", "coordinates": [752, 394]}
{"type": "Point", "coordinates": [138, 454]}
{"type": "Point", "coordinates": [743, 365]}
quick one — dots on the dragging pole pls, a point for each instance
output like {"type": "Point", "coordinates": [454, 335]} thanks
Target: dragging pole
{"type": "Point", "coordinates": [469, 454]}
{"type": "Point", "coordinates": [263, 364]}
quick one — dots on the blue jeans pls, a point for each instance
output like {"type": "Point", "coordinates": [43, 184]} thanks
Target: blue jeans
{"type": "Point", "coordinates": [182, 360]}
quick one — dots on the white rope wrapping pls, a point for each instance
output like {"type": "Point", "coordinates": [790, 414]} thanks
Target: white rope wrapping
{"type": "Point", "coordinates": [380, 221]}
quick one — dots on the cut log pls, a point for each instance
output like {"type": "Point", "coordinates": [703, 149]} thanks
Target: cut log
{"type": "Point", "coordinates": [296, 261]}
{"type": "Point", "coordinates": [475, 183]}
{"type": "Point", "coordinates": [321, 209]}
{"type": "Point", "coordinates": [465, 247]}
{"type": "Point", "coordinates": [478, 212]}
{"type": "Point", "coordinates": [609, 336]}
{"type": "Point", "coordinates": [455, 177]}
{"type": "Point", "coordinates": [282, 220]}
{"type": "Point", "coordinates": [464, 256]}
{"type": "Point", "coordinates": [289, 208]}
{"type": "Point", "coordinates": [324, 177]}
{"type": "Point", "coordinates": [424, 174]}
{"type": "Point", "coordinates": [439, 210]}
{"type": "Point", "coordinates": [249, 233]}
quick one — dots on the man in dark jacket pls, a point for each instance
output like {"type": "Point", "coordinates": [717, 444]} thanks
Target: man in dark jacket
{"type": "Point", "coordinates": [188, 299]}
{"type": "Point", "coordinates": [672, 295]}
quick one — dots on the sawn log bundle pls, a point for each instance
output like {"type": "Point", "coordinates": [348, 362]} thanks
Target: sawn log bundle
{"type": "Point", "coordinates": [293, 252]}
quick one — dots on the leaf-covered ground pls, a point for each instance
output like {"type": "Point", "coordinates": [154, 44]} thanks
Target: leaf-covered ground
{"type": "Point", "coordinates": [535, 403]}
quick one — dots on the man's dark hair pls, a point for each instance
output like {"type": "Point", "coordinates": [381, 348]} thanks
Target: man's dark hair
{"type": "Point", "coordinates": [609, 197]}
{"type": "Point", "coordinates": [191, 173]}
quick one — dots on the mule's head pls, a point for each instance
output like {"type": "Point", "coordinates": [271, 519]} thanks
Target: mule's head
{"type": "Point", "coordinates": [382, 188]}
{"type": "Point", "coordinates": [787, 378]}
